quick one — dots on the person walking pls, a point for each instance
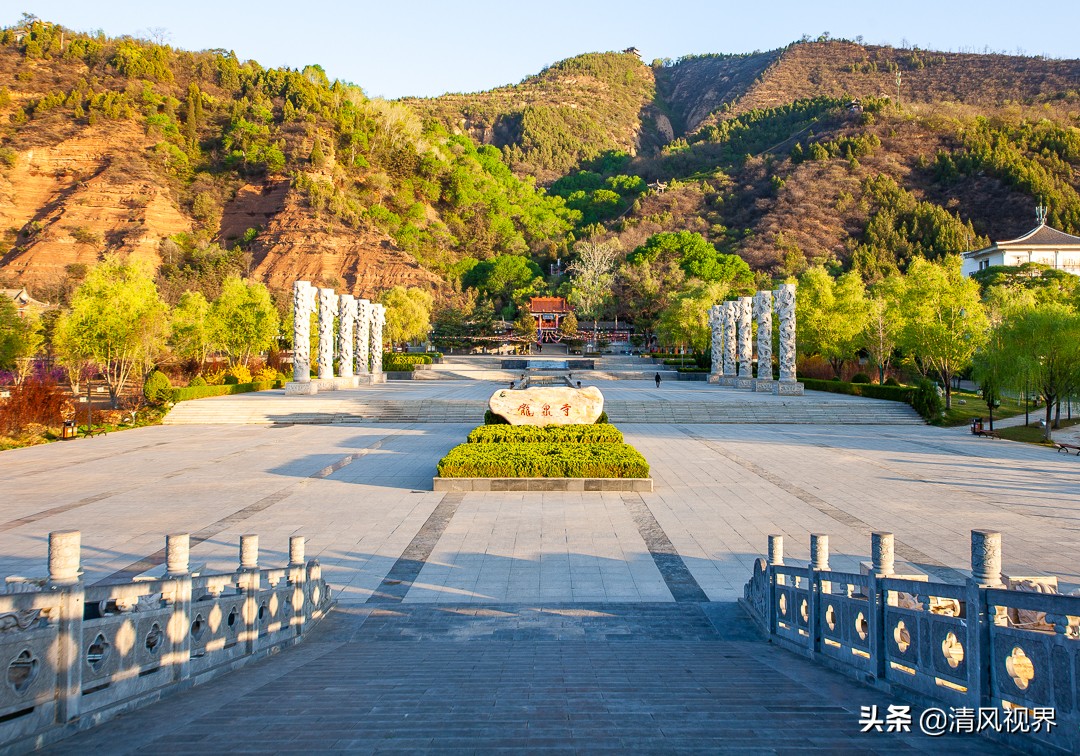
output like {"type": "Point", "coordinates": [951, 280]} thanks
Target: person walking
{"type": "Point", "coordinates": [658, 380]}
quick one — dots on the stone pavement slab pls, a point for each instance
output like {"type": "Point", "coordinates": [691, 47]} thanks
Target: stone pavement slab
{"type": "Point", "coordinates": [651, 678]}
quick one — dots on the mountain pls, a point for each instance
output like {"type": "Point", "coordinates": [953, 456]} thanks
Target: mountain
{"type": "Point", "coordinates": [200, 164]}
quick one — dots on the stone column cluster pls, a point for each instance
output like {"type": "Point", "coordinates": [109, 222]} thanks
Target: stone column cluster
{"type": "Point", "coordinates": [349, 329]}
{"type": "Point", "coordinates": [733, 337]}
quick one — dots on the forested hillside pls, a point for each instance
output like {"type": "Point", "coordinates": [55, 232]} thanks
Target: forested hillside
{"type": "Point", "coordinates": [825, 152]}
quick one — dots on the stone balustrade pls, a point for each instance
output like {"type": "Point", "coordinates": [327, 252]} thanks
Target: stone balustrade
{"type": "Point", "coordinates": [76, 655]}
{"type": "Point", "coordinates": [357, 345]}
{"type": "Point", "coordinates": [996, 642]}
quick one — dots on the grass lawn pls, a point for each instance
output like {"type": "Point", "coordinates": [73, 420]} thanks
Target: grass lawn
{"type": "Point", "coordinates": [1032, 434]}
{"type": "Point", "coordinates": [974, 406]}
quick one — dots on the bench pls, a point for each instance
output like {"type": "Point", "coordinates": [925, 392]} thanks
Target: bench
{"type": "Point", "coordinates": [90, 432]}
{"type": "Point", "coordinates": [1067, 448]}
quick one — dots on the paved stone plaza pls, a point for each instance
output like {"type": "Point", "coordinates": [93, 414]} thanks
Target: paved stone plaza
{"type": "Point", "coordinates": [534, 619]}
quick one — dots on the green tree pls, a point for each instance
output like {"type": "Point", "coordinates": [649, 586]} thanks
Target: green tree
{"type": "Point", "coordinates": [525, 327]}
{"type": "Point", "coordinates": [832, 315]}
{"type": "Point", "coordinates": [20, 339]}
{"type": "Point", "coordinates": [946, 320]}
{"type": "Point", "coordinates": [685, 322]}
{"type": "Point", "coordinates": [117, 321]}
{"type": "Point", "coordinates": [243, 320]}
{"type": "Point", "coordinates": [568, 327]}
{"type": "Point", "coordinates": [190, 333]}
{"type": "Point", "coordinates": [592, 276]}
{"type": "Point", "coordinates": [408, 314]}
{"type": "Point", "coordinates": [1040, 347]}
{"type": "Point", "coordinates": [697, 258]}
{"type": "Point", "coordinates": [500, 277]}
{"type": "Point", "coordinates": [884, 323]}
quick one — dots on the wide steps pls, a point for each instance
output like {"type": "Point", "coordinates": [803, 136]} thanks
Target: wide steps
{"type": "Point", "coordinates": [280, 410]}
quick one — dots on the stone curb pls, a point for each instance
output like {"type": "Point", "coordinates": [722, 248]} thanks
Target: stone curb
{"type": "Point", "coordinates": [638, 485]}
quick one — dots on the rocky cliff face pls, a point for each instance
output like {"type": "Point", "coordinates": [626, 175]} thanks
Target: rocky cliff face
{"type": "Point", "coordinates": [67, 203]}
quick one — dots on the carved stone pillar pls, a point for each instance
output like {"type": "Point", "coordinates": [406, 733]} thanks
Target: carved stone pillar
{"type": "Point", "coordinates": [363, 337]}
{"type": "Point", "coordinates": [346, 341]}
{"type": "Point", "coordinates": [763, 312]}
{"type": "Point", "coordinates": [377, 322]}
{"type": "Point", "coordinates": [303, 304]}
{"type": "Point", "coordinates": [882, 554]}
{"type": "Point", "coordinates": [716, 326]}
{"type": "Point", "coordinates": [745, 307]}
{"type": "Point", "coordinates": [986, 557]}
{"type": "Point", "coordinates": [729, 310]}
{"type": "Point", "coordinates": [327, 311]}
{"type": "Point", "coordinates": [785, 310]}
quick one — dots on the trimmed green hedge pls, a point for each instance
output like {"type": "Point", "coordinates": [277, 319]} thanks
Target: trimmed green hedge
{"type": "Point", "coordinates": [578, 434]}
{"type": "Point", "coordinates": [406, 358]}
{"type": "Point", "coordinates": [201, 392]}
{"type": "Point", "coordinates": [543, 460]}
{"type": "Point", "coordinates": [869, 390]}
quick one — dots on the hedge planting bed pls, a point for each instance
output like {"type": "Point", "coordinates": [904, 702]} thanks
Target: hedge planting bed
{"type": "Point", "coordinates": [200, 392]}
{"type": "Point", "coordinates": [578, 434]}
{"type": "Point", "coordinates": [543, 460]}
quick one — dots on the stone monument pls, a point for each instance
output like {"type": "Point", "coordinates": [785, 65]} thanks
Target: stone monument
{"type": "Point", "coordinates": [764, 306]}
{"type": "Point", "coordinates": [788, 385]}
{"type": "Point", "coordinates": [548, 405]}
{"type": "Point", "coordinates": [745, 309]}
{"type": "Point", "coordinates": [303, 304]}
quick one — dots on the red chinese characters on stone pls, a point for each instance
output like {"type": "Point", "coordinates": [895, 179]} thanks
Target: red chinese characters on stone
{"type": "Point", "coordinates": [525, 410]}
{"type": "Point", "coordinates": [545, 411]}
{"type": "Point", "coordinates": [565, 410]}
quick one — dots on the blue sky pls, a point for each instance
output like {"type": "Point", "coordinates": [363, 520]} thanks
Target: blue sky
{"type": "Point", "coordinates": [401, 48]}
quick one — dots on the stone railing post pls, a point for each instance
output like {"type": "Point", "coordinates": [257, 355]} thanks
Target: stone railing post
{"type": "Point", "coordinates": [985, 573]}
{"type": "Point", "coordinates": [178, 636]}
{"type": "Point", "coordinates": [819, 561]}
{"type": "Point", "coordinates": [776, 559]}
{"type": "Point", "coordinates": [298, 580]}
{"type": "Point", "coordinates": [250, 583]}
{"type": "Point", "coordinates": [882, 564]}
{"type": "Point", "coordinates": [64, 578]}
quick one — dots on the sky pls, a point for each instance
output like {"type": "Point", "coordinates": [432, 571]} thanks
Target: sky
{"type": "Point", "coordinates": [398, 48]}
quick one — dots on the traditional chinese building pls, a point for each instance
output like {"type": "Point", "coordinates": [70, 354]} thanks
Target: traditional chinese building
{"type": "Point", "coordinates": [1042, 244]}
{"type": "Point", "coordinates": [549, 313]}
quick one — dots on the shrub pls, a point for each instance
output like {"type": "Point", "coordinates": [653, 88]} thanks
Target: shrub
{"type": "Point", "coordinates": [543, 460]}
{"type": "Point", "coordinates": [860, 378]}
{"type": "Point", "coordinates": [394, 365]}
{"type": "Point", "coordinates": [869, 390]}
{"type": "Point", "coordinates": [266, 375]}
{"type": "Point", "coordinates": [215, 378]}
{"type": "Point", "coordinates": [35, 401]}
{"type": "Point", "coordinates": [231, 380]}
{"type": "Point", "coordinates": [240, 373]}
{"type": "Point", "coordinates": [581, 434]}
{"type": "Point", "coordinates": [197, 381]}
{"type": "Point", "coordinates": [603, 419]}
{"type": "Point", "coordinates": [158, 388]}
{"type": "Point", "coordinates": [927, 401]}
{"type": "Point", "coordinates": [890, 381]}
{"type": "Point", "coordinates": [490, 418]}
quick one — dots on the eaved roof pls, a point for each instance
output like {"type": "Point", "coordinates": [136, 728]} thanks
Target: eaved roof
{"type": "Point", "coordinates": [548, 304]}
{"type": "Point", "coordinates": [1040, 236]}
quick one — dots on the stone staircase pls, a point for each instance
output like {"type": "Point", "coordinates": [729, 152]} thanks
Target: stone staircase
{"type": "Point", "coordinates": [274, 408]}
{"type": "Point", "coordinates": [800, 410]}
